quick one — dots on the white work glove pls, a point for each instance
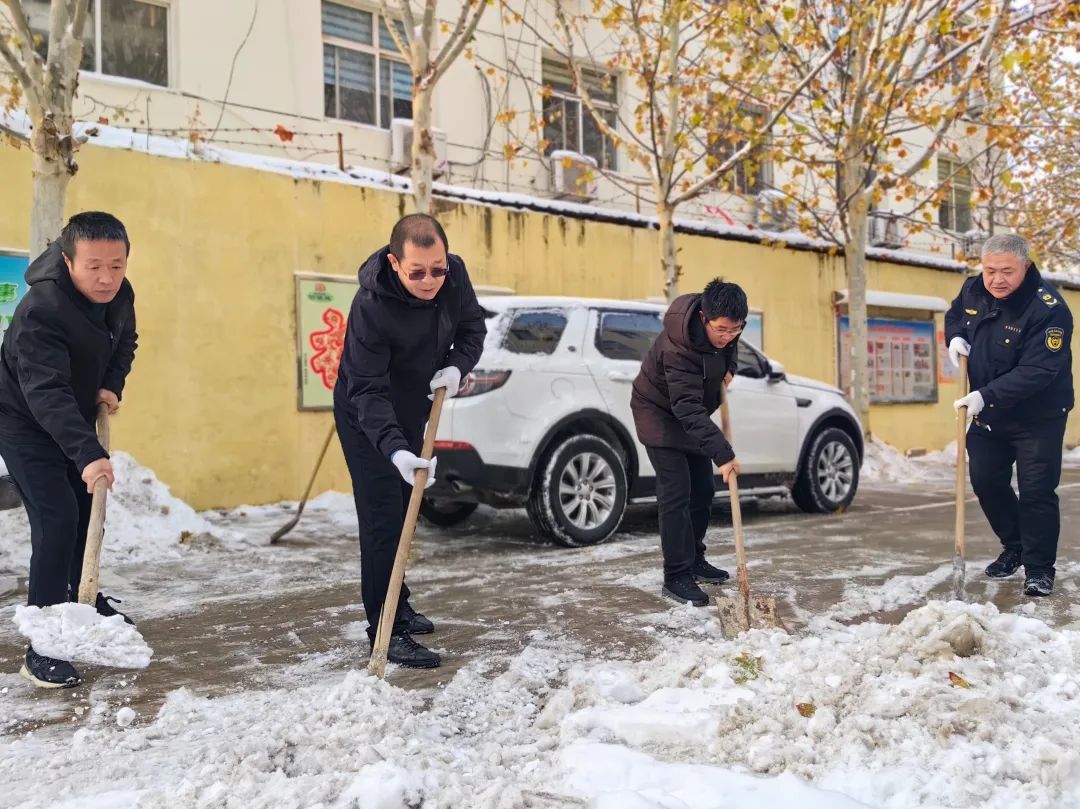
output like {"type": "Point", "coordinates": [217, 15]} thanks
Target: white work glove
{"type": "Point", "coordinates": [449, 378]}
{"type": "Point", "coordinates": [958, 347]}
{"type": "Point", "coordinates": [973, 402]}
{"type": "Point", "coordinates": [407, 464]}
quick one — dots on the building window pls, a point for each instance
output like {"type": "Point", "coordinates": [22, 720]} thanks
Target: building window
{"type": "Point", "coordinates": [353, 57]}
{"type": "Point", "coordinates": [125, 38]}
{"type": "Point", "coordinates": [954, 214]}
{"type": "Point", "coordinates": [568, 124]}
{"type": "Point", "coordinates": [750, 176]}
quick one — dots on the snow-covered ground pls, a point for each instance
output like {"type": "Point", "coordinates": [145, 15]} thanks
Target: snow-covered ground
{"type": "Point", "coordinates": [568, 683]}
{"type": "Point", "coordinates": [885, 464]}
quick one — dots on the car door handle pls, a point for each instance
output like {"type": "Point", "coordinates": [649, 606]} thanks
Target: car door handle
{"type": "Point", "coordinates": [620, 376]}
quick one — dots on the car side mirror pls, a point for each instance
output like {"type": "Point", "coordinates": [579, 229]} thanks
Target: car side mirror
{"type": "Point", "coordinates": [775, 371]}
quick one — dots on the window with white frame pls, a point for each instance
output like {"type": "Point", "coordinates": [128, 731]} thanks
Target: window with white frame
{"type": "Point", "coordinates": [954, 213]}
{"type": "Point", "coordinates": [751, 175]}
{"type": "Point", "coordinates": [568, 124]}
{"type": "Point", "coordinates": [357, 48]}
{"type": "Point", "coordinates": [125, 38]}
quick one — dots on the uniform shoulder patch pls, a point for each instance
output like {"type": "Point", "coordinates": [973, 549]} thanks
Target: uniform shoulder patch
{"type": "Point", "coordinates": [1048, 299]}
{"type": "Point", "coordinates": [1055, 338]}
{"type": "Point", "coordinates": [972, 311]}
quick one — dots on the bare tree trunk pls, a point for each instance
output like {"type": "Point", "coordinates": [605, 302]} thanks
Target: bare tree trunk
{"type": "Point", "coordinates": [669, 254]}
{"type": "Point", "coordinates": [855, 266]}
{"type": "Point", "coordinates": [423, 148]}
{"type": "Point", "coordinates": [53, 166]}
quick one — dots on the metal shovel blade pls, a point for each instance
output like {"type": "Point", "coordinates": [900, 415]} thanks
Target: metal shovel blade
{"type": "Point", "coordinates": [738, 616]}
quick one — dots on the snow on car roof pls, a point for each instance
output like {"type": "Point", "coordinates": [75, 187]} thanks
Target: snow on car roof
{"type": "Point", "coordinates": [501, 303]}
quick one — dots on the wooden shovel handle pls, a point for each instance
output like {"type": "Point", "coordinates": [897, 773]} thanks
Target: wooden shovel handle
{"type": "Point", "coordinates": [88, 583]}
{"type": "Point", "coordinates": [377, 664]}
{"type": "Point", "coordinates": [961, 460]}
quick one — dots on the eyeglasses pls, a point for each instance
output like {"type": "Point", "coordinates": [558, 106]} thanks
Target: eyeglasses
{"type": "Point", "coordinates": [419, 275]}
{"type": "Point", "coordinates": [724, 332]}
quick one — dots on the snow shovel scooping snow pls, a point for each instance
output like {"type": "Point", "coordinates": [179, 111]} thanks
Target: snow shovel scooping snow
{"type": "Point", "coordinates": [745, 611]}
{"type": "Point", "coordinates": [377, 664]}
{"type": "Point", "coordinates": [77, 632]}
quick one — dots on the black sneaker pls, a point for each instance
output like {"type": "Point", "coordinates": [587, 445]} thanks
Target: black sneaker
{"type": "Point", "coordinates": [406, 652]}
{"type": "Point", "coordinates": [1007, 563]}
{"type": "Point", "coordinates": [709, 574]}
{"type": "Point", "coordinates": [685, 590]}
{"type": "Point", "coordinates": [104, 607]}
{"type": "Point", "coordinates": [47, 672]}
{"type": "Point", "coordinates": [416, 623]}
{"type": "Point", "coordinates": [1039, 584]}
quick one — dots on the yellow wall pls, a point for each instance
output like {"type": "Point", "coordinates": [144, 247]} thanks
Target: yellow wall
{"type": "Point", "coordinates": [211, 404]}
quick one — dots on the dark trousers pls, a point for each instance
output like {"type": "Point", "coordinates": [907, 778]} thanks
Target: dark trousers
{"type": "Point", "coordinates": [1031, 523]}
{"type": "Point", "coordinates": [684, 495]}
{"type": "Point", "coordinates": [58, 507]}
{"type": "Point", "coordinates": [382, 498]}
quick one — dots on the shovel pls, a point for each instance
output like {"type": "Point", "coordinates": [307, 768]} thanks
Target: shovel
{"type": "Point", "coordinates": [291, 524]}
{"type": "Point", "coordinates": [961, 486]}
{"type": "Point", "coordinates": [88, 584]}
{"type": "Point", "coordinates": [377, 664]}
{"type": "Point", "coordinates": [746, 611]}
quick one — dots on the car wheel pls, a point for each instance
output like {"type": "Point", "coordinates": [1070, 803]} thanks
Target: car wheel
{"type": "Point", "coordinates": [446, 513]}
{"type": "Point", "coordinates": [579, 494]}
{"type": "Point", "coordinates": [830, 474]}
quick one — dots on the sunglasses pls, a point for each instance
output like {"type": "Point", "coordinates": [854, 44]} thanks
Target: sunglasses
{"type": "Point", "coordinates": [419, 275]}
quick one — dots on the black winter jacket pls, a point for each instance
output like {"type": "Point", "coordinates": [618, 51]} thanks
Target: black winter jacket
{"type": "Point", "coordinates": [58, 352]}
{"type": "Point", "coordinates": [394, 344]}
{"type": "Point", "coordinates": [1021, 348]}
{"type": "Point", "coordinates": [680, 386]}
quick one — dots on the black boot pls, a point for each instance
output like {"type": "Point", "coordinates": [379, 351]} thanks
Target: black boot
{"type": "Point", "coordinates": [709, 574]}
{"type": "Point", "coordinates": [416, 623]}
{"type": "Point", "coordinates": [408, 653]}
{"type": "Point", "coordinates": [105, 608]}
{"type": "Point", "coordinates": [685, 590]}
{"type": "Point", "coordinates": [1038, 584]}
{"type": "Point", "coordinates": [1007, 563]}
{"type": "Point", "coordinates": [46, 672]}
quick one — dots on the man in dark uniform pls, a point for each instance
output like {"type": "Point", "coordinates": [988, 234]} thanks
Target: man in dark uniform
{"type": "Point", "coordinates": [68, 349]}
{"type": "Point", "coordinates": [1016, 331]}
{"type": "Point", "coordinates": [679, 387]}
{"type": "Point", "coordinates": [415, 326]}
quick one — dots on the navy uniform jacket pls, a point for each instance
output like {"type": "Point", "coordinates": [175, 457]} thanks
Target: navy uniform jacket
{"type": "Point", "coordinates": [1021, 348]}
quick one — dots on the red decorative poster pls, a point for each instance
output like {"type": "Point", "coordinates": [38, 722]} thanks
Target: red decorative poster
{"type": "Point", "coordinates": [328, 345]}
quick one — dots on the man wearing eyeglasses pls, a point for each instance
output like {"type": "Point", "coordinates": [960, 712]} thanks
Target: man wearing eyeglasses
{"type": "Point", "coordinates": [415, 326]}
{"type": "Point", "coordinates": [679, 387]}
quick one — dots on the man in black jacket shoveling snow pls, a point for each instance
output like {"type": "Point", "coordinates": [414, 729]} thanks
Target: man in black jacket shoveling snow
{"type": "Point", "coordinates": [69, 347]}
{"type": "Point", "coordinates": [679, 387]}
{"type": "Point", "coordinates": [1016, 331]}
{"type": "Point", "coordinates": [415, 326]}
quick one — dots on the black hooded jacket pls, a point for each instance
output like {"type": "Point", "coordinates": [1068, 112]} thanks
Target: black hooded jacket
{"type": "Point", "coordinates": [1021, 348]}
{"type": "Point", "coordinates": [58, 352]}
{"type": "Point", "coordinates": [395, 343]}
{"type": "Point", "coordinates": [681, 384]}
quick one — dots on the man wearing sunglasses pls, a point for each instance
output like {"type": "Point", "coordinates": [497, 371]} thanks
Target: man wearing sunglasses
{"type": "Point", "coordinates": [679, 387]}
{"type": "Point", "coordinates": [415, 326]}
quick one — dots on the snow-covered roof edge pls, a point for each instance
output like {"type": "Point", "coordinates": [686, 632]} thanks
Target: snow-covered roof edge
{"type": "Point", "coordinates": [112, 137]}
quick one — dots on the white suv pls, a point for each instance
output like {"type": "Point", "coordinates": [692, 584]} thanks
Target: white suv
{"type": "Point", "coordinates": [544, 420]}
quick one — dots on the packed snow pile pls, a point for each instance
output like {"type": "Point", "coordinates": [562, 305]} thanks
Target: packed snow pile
{"type": "Point", "coordinates": [883, 463]}
{"type": "Point", "coordinates": [76, 632]}
{"type": "Point", "coordinates": [143, 522]}
{"type": "Point", "coordinates": [957, 706]}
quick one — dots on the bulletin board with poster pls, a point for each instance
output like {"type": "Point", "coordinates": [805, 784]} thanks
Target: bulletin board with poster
{"type": "Point", "coordinates": [902, 360]}
{"type": "Point", "coordinates": [322, 310]}
{"type": "Point", "coordinates": [13, 286]}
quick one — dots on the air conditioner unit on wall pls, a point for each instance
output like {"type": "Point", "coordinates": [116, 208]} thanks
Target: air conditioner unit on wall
{"type": "Point", "coordinates": [771, 211]}
{"type": "Point", "coordinates": [884, 230]}
{"type": "Point", "coordinates": [573, 176]}
{"type": "Point", "coordinates": [401, 135]}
